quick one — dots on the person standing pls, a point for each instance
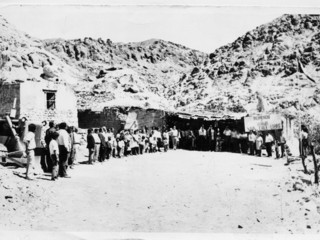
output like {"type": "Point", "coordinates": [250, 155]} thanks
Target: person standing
{"type": "Point", "coordinates": [127, 141]}
{"type": "Point", "coordinates": [64, 149]}
{"type": "Point", "coordinates": [165, 136]}
{"type": "Point", "coordinates": [269, 142]}
{"type": "Point", "coordinates": [54, 155]}
{"type": "Point", "coordinates": [252, 141]}
{"type": "Point", "coordinates": [175, 137]}
{"type": "Point", "coordinates": [211, 140]}
{"type": "Point", "coordinates": [70, 130]}
{"type": "Point", "coordinates": [227, 139]}
{"type": "Point", "coordinates": [243, 139]}
{"type": "Point", "coordinates": [234, 143]}
{"type": "Point", "coordinates": [103, 146]}
{"type": "Point", "coordinates": [44, 160]}
{"type": "Point", "coordinates": [90, 145]}
{"type": "Point", "coordinates": [97, 145]}
{"type": "Point", "coordinates": [142, 140]}
{"type": "Point", "coordinates": [218, 140]}
{"type": "Point", "coordinates": [76, 145]}
{"type": "Point", "coordinates": [30, 143]}
{"type": "Point", "coordinates": [304, 141]}
{"type": "Point", "coordinates": [113, 143]}
{"type": "Point", "coordinates": [153, 142]}
{"type": "Point", "coordinates": [134, 142]}
{"type": "Point", "coordinates": [190, 139]}
{"type": "Point", "coordinates": [282, 142]}
{"type": "Point", "coordinates": [120, 147]}
{"type": "Point", "coordinates": [259, 142]}
{"type": "Point", "coordinates": [47, 139]}
{"type": "Point", "coordinates": [202, 133]}
{"type": "Point", "coordinates": [108, 147]}
{"type": "Point", "coordinates": [304, 144]}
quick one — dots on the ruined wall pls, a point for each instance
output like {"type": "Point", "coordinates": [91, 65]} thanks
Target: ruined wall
{"type": "Point", "coordinates": [34, 106]}
{"type": "Point", "coordinates": [113, 117]}
{"type": "Point", "coordinates": [7, 94]}
{"type": "Point", "coordinates": [150, 118]}
{"type": "Point", "coordinates": [109, 117]}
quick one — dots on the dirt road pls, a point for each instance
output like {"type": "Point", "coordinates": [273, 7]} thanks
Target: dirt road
{"type": "Point", "coordinates": [178, 191]}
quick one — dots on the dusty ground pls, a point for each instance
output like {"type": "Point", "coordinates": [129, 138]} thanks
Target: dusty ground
{"type": "Point", "coordinates": [178, 191]}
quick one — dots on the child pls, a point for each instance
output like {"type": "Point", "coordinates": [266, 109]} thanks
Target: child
{"type": "Point", "coordinates": [120, 147]}
{"type": "Point", "coordinates": [108, 148]}
{"type": "Point", "coordinates": [30, 142]}
{"type": "Point", "coordinates": [54, 155]}
{"type": "Point", "coordinates": [142, 144]}
{"type": "Point", "coordinates": [153, 143]}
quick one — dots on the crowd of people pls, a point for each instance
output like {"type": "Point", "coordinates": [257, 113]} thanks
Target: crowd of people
{"type": "Point", "coordinates": [103, 143]}
{"type": "Point", "coordinates": [59, 148]}
{"type": "Point", "coordinates": [60, 143]}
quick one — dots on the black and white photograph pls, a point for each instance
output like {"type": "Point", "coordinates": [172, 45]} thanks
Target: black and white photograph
{"type": "Point", "coordinates": [159, 119]}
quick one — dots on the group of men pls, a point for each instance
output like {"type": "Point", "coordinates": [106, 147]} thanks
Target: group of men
{"type": "Point", "coordinates": [231, 140]}
{"type": "Point", "coordinates": [61, 143]}
{"type": "Point", "coordinates": [103, 143]}
{"type": "Point", "coordinates": [60, 146]}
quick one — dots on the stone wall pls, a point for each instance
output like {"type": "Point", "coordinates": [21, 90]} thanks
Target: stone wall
{"type": "Point", "coordinates": [109, 117]}
{"type": "Point", "coordinates": [150, 118]}
{"type": "Point", "coordinates": [117, 118]}
{"type": "Point", "coordinates": [7, 94]}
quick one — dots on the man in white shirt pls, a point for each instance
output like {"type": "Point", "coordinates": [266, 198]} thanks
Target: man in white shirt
{"type": "Point", "coordinates": [64, 149]}
{"type": "Point", "coordinates": [202, 138]}
{"type": "Point", "coordinates": [76, 145]}
{"type": "Point", "coordinates": [211, 140]}
{"type": "Point", "coordinates": [252, 141]}
{"type": "Point", "coordinates": [227, 139]}
{"type": "Point", "coordinates": [30, 142]}
{"type": "Point", "coordinates": [97, 141]}
{"type": "Point", "coordinates": [175, 137]}
{"type": "Point", "coordinates": [269, 142]}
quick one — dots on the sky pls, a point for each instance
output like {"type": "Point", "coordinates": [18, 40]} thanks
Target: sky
{"type": "Point", "coordinates": [201, 25]}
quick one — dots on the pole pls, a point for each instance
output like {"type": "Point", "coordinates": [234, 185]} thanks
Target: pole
{"type": "Point", "coordinates": [315, 163]}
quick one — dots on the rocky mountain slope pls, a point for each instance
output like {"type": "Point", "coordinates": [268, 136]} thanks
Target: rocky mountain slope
{"type": "Point", "coordinates": [140, 74]}
{"type": "Point", "coordinates": [24, 58]}
{"type": "Point", "coordinates": [262, 63]}
{"type": "Point", "coordinates": [101, 72]}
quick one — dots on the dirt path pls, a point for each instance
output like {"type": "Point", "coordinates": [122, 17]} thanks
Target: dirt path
{"type": "Point", "coordinates": [178, 191]}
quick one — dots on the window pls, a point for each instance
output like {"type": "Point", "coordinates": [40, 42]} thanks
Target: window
{"type": "Point", "coordinates": [50, 99]}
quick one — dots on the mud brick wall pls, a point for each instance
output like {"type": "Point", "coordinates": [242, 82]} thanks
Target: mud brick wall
{"type": "Point", "coordinates": [113, 117]}
{"type": "Point", "coordinates": [150, 118]}
{"type": "Point", "coordinates": [108, 118]}
{"type": "Point", "coordinates": [7, 94]}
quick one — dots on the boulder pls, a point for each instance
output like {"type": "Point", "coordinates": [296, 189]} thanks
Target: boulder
{"type": "Point", "coordinates": [101, 74]}
{"type": "Point", "coordinates": [49, 72]}
{"type": "Point", "coordinates": [131, 89]}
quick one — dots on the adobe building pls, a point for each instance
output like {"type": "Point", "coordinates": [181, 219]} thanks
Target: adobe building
{"type": "Point", "coordinates": [39, 101]}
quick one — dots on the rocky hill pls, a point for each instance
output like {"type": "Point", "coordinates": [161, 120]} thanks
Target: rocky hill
{"type": "Point", "coordinates": [277, 63]}
{"type": "Point", "coordinates": [24, 58]}
{"type": "Point", "coordinates": [139, 74]}
{"type": "Point", "coordinates": [101, 72]}
{"type": "Point", "coordinates": [263, 64]}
